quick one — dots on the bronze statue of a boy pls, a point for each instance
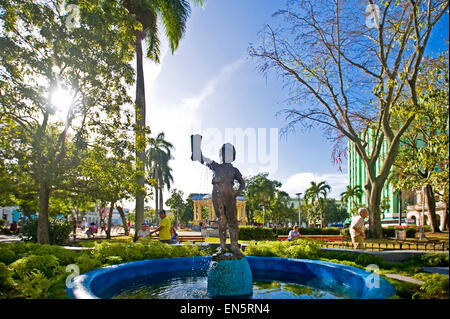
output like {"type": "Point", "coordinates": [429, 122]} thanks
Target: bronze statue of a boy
{"type": "Point", "coordinates": [223, 194]}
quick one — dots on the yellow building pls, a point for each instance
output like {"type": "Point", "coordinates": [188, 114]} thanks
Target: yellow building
{"type": "Point", "coordinates": [205, 200]}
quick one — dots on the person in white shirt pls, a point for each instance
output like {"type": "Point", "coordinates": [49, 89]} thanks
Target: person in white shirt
{"type": "Point", "coordinates": [144, 231]}
{"type": "Point", "coordinates": [357, 228]}
{"type": "Point", "coordinates": [294, 234]}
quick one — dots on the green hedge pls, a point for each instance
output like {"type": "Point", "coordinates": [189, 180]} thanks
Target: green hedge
{"type": "Point", "coordinates": [390, 231]}
{"type": "Point", "coordinates": [31, 270]}
{"type": "Point", "coordinates": [301, 248]}
{"type": "Point", "coordinates": [256, 233]}
{"type": "Point", "coordinates": [58, 230]}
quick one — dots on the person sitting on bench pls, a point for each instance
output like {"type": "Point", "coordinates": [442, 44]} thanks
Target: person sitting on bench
{"type": "Point", "coordinates": [294, 234]}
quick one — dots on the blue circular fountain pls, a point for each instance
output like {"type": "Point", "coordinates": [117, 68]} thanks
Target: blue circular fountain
{"type": "Point", "coordinates": [331, 279]}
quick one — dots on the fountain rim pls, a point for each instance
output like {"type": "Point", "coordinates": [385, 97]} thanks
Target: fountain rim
{"type": "Point", "coordinates": [81, 286]}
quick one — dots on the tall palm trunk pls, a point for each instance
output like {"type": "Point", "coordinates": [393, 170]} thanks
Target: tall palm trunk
{"type": "Point", "coordinates": [161, 202]}
{"type": "Point", "coordinates": [139, 131]}
{"type": "Point", "coordinates": [156, 199]}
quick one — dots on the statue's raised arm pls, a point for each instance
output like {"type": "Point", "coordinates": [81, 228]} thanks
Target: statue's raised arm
{"type": "Point", "coordinates": [196, 149]}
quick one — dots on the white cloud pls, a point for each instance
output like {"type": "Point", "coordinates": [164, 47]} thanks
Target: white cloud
{"type": "Point", "coordinates": [300, 182]}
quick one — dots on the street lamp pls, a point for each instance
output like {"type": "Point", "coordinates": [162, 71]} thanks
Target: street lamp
{"type": "Point", "coordinates": [299, 209]}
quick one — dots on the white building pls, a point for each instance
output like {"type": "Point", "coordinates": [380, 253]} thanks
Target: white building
{"type": "Point", "coordinates": [10, 214]}
{"type": "Point", "coordinates": [414, 211]}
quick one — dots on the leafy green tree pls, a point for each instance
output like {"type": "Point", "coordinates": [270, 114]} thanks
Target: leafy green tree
{"type": "Point", "coordinates": [260, 191]}
{"type": "Point", "coordinates": [176, 203]}
{"type": "Point", "coordinates": [40, 56]}
{"type": "Point", "coordinates": [334, 212]}
{"type": "Point", "coordinates": [173, 15]}
{"type": "Point", "coordinates": [423, 155]}
{"type": "Point", "coordinates": [188, 214]}
{"type": "Point", "coordinates": [385, 205]}
{"type": "Point", "coordinates": [281, 209]}
{"type": "Point", "coordinates": [354, 195]}
{"type": "Point", "coordinates": [109, 176]}
{"type": "Point", "coordinates": [316, 195]}
{"type": "Point", "coordinates": [347, 78]}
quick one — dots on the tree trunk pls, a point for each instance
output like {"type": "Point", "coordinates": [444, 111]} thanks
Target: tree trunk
{"type": "Point", "coordinates": [108, 231]}
{"type": "Point", "coordinates": [429, 193]}
{"type": "Point", "coordinates": [373, 192]}
{"type": "Point", "coordinates": [139, 131]}
{"type": "Point", "coordinates": [445, 223]}
{"type": "Point", "coordinates": [42, 229]}
{"type": "Point", "coordinates": [161, 201]}
{"type": "Point", "coordinates": [124, 220]}
{"type": "Point", "coordinates": [156, 202]}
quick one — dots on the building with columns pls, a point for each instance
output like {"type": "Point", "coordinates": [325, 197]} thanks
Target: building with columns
{"type": "Point", "coordinates": [202, 201]}
{"type": "Point", "coordinates": [418, 210]}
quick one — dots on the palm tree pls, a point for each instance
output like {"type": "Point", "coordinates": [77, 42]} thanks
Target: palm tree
{"type": "Point", "coordinates": [318, 193]}
{"type": "Point", "coordinates": [174, 15]}
{"type": "Point", "coordinates": [353, 194]}
{"type": "Point", "coordinates": [159, 154]}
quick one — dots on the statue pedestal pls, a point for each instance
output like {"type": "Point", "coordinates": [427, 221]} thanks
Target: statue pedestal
{"type": "Point", "coordinates": [229, 277]}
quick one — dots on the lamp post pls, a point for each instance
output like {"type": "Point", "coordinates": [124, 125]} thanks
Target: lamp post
{"type": "Point", "coordinates": [299, 208]}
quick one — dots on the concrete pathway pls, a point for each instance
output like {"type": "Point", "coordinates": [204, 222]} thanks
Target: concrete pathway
{"type": "Point", "coordinates": [405, 278]}
{"type": "Point", "coordinates": [9, 239]}
{"type": "Point", "coordinates": [437, 270]}
{"type": "Point", "coordinates": [389, 255]}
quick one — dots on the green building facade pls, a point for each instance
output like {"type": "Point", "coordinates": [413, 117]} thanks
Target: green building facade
{"type": "Point", "coordinates": [357, 175]}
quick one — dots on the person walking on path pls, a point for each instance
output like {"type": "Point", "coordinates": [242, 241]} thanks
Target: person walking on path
{"type": "Point", "coordinates": [357, 228]}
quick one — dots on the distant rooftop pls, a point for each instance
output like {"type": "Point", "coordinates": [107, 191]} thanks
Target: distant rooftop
{"type": "Point", "coordinates": [197, 196]}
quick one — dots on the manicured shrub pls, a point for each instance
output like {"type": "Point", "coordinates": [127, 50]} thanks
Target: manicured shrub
{"type": "Point", "coordinates": [58, 231]}
{"type": "Point", "coordinates": [435, 287]}
{"type": "Point", "coordinates": [7, 256]}
{"type": "Point", "coordinates": [33, 285]}
{"type": "Point", "coordinates": [256, 233]}
{"type": "Point", "coordinates": [390, 231]}
{"type": "Point", "coordinates": [144, 249]}
{"type": "Point", "coordinates": [433, 259]}
{"type": "Point", "coordinates": [48, 265]}
{"type": "Point", "coordinates": [301, 248]}
{"type": "Point", "coordinates": [86, 262]}
{"type": "Point", "coordinates": [6, 281]}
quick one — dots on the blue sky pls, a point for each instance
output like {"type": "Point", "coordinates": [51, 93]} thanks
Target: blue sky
{"type": "Point", "coordinates": [209, 85]}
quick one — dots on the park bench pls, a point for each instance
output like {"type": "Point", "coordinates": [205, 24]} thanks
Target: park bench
{"type": "Point", "coordinates": [321, 237]}
{"type": "Point", "coordinates": [188, 238]}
